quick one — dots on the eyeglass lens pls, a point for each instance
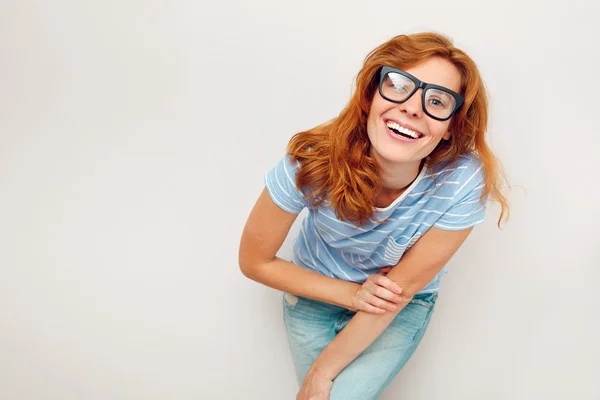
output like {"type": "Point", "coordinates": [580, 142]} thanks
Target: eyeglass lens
{"type": "Point", "coordinates": [398, 87]}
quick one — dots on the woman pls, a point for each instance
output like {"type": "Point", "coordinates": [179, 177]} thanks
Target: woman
{"type": "Point", "coordinates": [393, 185]}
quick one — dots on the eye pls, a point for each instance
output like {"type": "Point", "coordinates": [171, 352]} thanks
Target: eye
{"type": "Point", "coordinates": [400, 88]}
{"type": "Point", "coordinates": [399, 84]}
{"type": "Point", "coordinates": [436, 102]}
{"type": "Point", "coordinates": [439, 99]}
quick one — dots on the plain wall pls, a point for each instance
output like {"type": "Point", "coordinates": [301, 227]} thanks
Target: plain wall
{"type": "Point", "coordinates": [134, 137]}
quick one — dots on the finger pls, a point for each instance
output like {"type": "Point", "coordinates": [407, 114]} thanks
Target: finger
{"type": "Point", "coordinates": [363, 306]}
{"type": "Point", "coordinates": [387, 283]}
{"type": "Point", "coordinates": [370, 288]}
{"type": "Point", "coordinates": [368, 296]}
{"type": "Point", "coordinates": [380, 303]}
{"type": "Point", "coordinates": [385, 294]}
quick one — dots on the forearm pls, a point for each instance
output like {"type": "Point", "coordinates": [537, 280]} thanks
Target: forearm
{"type": "Point", "coordinates": [362, 330]}
{"type": "Point", "coordinates": [418, 267]}
{"type": "Point", "coordinates": [289, 277]}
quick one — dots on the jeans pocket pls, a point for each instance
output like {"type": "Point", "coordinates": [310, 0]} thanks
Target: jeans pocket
{"type": "Point", "coordinates": [426, 300]}
{"type": "Point", "coordinates": [290, 299]}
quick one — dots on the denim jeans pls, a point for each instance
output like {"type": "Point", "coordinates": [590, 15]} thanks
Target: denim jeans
{"type": "Point", "coordinates": [311, 325]}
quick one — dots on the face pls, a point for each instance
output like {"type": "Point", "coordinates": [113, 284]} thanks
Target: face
{"type": "Point", "coordinates": [387, 145]}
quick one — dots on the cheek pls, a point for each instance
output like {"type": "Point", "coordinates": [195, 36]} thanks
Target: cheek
{"type": "Point", "coordinates": [439, 129]}
{"type": "Point", "coordinates": [379, 106]}
{"type": "Point", "coordinates": [375, 113]}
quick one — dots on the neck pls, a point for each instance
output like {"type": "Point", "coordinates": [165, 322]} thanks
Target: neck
{"type": "Point", "coordinates": [395, 178]}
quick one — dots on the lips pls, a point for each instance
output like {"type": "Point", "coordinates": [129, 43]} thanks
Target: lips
{"type": "Point", "coordinates": [403, 130]}
{"type": "Point", "coordinates": [401, 133]}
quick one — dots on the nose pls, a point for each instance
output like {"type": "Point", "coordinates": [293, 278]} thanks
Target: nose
{"type": "Point", "coordinates": [413, 106]}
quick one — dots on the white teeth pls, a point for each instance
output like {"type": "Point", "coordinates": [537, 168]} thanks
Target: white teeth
{"type": "Point", "coordinates": [402, 129]}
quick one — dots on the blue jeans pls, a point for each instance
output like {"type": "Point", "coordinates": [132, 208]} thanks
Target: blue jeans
{"type": "Point", "coordinates": [311, 325]}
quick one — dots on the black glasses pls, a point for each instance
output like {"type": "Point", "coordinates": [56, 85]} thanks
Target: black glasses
{"type": "Point", "coordinates": [439, 102]}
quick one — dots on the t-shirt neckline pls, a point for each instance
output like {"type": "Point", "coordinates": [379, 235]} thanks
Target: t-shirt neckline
{"type": "Point", "coordinates": [406, 192]}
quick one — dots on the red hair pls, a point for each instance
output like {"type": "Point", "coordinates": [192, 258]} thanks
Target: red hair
{"type": "Point", "coordinates": [335, 161]}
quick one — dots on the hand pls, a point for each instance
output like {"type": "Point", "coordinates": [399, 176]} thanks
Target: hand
{"type": "Point", "coordinates": [378, 294]}
{"type": "Point", "coordinates": [315, 387]}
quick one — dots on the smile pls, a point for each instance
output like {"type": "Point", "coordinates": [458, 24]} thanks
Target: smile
{"type": "Point", "coordinates": [402, 132]}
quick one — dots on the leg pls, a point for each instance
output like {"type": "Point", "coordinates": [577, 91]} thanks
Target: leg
{"type": "Point", "coordinates": [311, 326]}
{"type": "Point", "coordinates": [370, 373]}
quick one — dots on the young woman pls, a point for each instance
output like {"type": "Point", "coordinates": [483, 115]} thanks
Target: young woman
{"type": "Point", "coordinates": [393, 185]}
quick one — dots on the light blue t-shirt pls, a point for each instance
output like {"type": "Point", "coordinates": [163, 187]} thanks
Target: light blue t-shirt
{"type": "Point", "coordinates": [339, 249]}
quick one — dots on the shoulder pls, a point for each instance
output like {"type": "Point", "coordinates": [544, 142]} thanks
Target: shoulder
{"type": "Point", "coordinates": [473, 173]}
{"type": "Point", "coordinates": [286, 166]}
{"type": "Point", "coordinates": [465, 204]}
{"type": "Point", "coordinates": [458, 170]}
{"type": "Point", "coordinates": [449, 182]}
{"type": "Point", "coordinates": [470, 161]}
{"type": "Point", "coordinates": [280, 182]}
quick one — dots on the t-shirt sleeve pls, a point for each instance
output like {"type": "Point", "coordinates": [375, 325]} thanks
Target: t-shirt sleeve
{"type": "Point", "coordinates": [469, 210]}
{"type": "Point", "coordinates": [281, 185]}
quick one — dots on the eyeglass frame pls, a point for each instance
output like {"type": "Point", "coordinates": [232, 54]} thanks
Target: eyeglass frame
{"type": "Point", "coordinates": [420, 85]}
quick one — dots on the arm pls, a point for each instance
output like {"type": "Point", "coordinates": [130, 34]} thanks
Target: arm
{"type": "Point", "coordinates": [265, 231]}
{"type": "Point", "coordinates": [417, 268]}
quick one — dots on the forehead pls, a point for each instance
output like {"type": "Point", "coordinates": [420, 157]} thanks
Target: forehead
{"type": "Point", "coordinates": [439, 72]}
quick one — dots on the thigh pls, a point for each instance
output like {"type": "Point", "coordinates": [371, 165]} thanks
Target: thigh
{"type": "Point", "coordinates": [310, 327]}
{"type": "Point", "coordinates": [371, 372]}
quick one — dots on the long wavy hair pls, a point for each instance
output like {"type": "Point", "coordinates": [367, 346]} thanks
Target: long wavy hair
{"type": "Point", "coordinates": [335, 161]}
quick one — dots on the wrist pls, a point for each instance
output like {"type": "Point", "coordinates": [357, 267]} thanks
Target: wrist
{"type": "Point", "coordinates": [349, 297]}
{"type": "Point", "coordinates": [317, 372]}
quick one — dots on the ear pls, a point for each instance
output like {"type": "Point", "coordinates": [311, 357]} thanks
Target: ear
{"type": "Point", "coordinates": [447, 135]}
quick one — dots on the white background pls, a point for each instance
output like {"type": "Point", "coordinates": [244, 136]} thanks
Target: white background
{"type": "Point", "coordinates": [134, 136]}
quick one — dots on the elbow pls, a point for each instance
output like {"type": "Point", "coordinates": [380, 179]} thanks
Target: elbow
{"type": "Point", "coordinates": [249, 266]}
{"type": "Point", "coordinates": [246, 265]}
{"type": "Point", "coordinates": [246, 259]}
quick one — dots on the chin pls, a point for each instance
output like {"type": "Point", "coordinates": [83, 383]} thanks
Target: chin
{"type": "Point", "coordinates": [396, 156]}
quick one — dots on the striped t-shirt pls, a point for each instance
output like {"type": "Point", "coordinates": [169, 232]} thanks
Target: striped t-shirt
{"type": "Point", "coordinates": [446, 196]}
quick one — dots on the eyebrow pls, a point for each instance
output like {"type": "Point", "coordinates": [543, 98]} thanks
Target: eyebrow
{"type": "Point", "coordinates": [427, 83]}
{"type": "Point", "coordinates": [442, 92]}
